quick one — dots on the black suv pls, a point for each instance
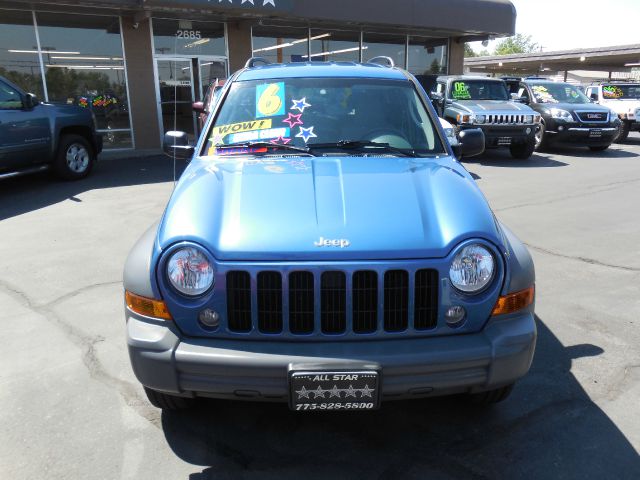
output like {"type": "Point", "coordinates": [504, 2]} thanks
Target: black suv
{"type": "Point", "coordinates": [36, 136]}
{"type": "Point", "coordinates": [483, 102]}
{"type": "Point", "coordinates": [568, 116]}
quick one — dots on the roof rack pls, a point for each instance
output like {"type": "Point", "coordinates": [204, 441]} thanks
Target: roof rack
{"type": "Point", "coordinates": [382, 58]}
{"type": "Point", "coordinates": [253, 60]}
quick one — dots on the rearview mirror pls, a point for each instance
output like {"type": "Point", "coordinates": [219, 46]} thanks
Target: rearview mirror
{"type": "Point", "coordinates": [30, 101]}
{"type": "Point", "coordinates": [471, 143]}
{"type": "Point", "coordinates": [198, 107]}
{"type": "Point", "coordinates": [176, 144]}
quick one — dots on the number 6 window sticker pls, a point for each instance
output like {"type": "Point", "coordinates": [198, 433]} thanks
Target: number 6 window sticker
{"type": "Point", "coordinates": [270, 100]}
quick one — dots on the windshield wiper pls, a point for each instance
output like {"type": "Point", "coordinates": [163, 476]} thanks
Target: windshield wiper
{"type": "Point", "coordinates": [276, 146]}
{"type": "Point", "coordinates": [355, 144]}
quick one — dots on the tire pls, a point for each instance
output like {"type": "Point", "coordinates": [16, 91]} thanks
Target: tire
{"type": "Point", "coordinates": [541, 143]}
{"type": "Point", "coordinates": [491, 396]}
{"type": "Point", "coordinates": [168, 402]}
{"type": "Point", "coordinates": [622, 133]}
{"type": "Point", "coordinates": [523, 151]}
{"type": "Point", "coordinates": [75, 157]}
{"type": "Point", "coordinates": [601, 148]}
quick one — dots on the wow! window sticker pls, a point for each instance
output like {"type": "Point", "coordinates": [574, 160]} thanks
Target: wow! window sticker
{"type": "Point", "coordinates": [612, 91]}
{"type": "Point", "coordinates": [270, 100]}
{"type": "Point", "coordinates": [460, 91]}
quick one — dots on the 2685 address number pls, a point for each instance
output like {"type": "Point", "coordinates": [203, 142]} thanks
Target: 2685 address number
{"type": "Point", "coordinates": [334, 406]}
{"type": "Point", "coordinates": [194, 34]}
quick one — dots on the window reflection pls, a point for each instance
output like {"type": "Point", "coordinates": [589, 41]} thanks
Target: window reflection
{"type": "Point", "coordinates": [392, 46]}
{"type": "Point", "coordinates": [84, 66]}
{"type": "Point", "coordinates": [188, 37]}
{"type": "Point", "coordinates": [19, 51]}
{"type": "Point", "coordinates": [427, 56]}
{"type": "Point", "coordinates": [281, 45]}
{"type": "Point", "coordinates": [335, 46]}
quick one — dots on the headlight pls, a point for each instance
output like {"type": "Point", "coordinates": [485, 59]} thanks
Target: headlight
{"type": "Point", "coordinates": [480, 118]}
{"type": "Point", "coordinates": [561, 114]}
{"type": "Point", "coordinates": [472, 269]}
{"type": "Point", "coordinates": [190, 272]}
{"type": "Point", "coordinates": [528, 119]}
{"type": "Point", "coordinates": [613, 115]}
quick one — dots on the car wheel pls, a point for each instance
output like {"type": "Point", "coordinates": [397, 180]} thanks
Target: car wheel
{"type": "Point", "coordinates": [600, 148]}
{"type": "Point", "coordinates": [75, 157]}
{"type": "Point", "coordinates": [523, 151]}
{"type": "Point", "coordinates": [540, 140]}
{"type": "Point", "coordinates": [491, 396]}
{"type": "Point", "coordinates": [622, 133]}
{"type": "Point", "coordinates": [168, 402]}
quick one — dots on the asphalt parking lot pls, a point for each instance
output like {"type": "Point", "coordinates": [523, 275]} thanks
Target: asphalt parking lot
{"type": "Point", "coordinates": [70, 407]}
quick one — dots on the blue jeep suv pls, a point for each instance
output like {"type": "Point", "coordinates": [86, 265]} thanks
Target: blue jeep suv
{"type": "Point", "coordinates": [325, 248]}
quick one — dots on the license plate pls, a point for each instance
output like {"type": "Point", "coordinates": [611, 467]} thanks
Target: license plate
{"type": "Point", "coordinates": [595, 133]}
{"type": "Point", "coordinates": [334, 390]}
{"type": "Point", "coordinates": [504, 140]}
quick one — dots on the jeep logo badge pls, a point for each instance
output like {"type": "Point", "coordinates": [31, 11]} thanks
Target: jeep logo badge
{"type": "Point", "coordinates": [336, 242]}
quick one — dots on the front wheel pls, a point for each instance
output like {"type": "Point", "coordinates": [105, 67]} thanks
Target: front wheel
{"type": "Point", "coordinates": [600, 148]}
{"type": "Point", "coordinates": [168, 402]}
{"type": "Point", "coordinates": [523, 151]}
{"type": "Point", "coordinates": [541, 143]}
{"type": "Point", "coordinates": [75, 157]}
{"type": "Point", "coordinates": [492, 396]}
{"type": "Point", "coordinates": [622, 133]}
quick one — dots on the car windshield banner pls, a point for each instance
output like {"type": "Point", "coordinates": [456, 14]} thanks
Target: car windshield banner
{"type": "Point", "coordinates": [276, 5]}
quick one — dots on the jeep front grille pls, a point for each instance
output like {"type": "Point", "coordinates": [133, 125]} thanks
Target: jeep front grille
{"type": "Point", "coordinates": [332, 302]}
{"type": "Point", "coordinates": [239, 301]}
{"type": "Point", "coordinates": [506, 119]}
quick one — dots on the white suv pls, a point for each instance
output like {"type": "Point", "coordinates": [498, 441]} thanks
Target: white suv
{"type": "Point", "coordinates": [624, 99]}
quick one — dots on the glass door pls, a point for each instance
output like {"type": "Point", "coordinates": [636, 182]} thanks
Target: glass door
{"type": "Point", "coordinates": [176, 94]}
{"type": "Point", "coordinates": [212, 71]}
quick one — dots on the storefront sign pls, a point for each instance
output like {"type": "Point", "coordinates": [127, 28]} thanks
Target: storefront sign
{"type": "Point", "coordinates": [274, 5]}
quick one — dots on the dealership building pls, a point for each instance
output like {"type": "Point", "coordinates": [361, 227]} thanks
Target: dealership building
{"type": "Point", "coordinates": [139, 64]}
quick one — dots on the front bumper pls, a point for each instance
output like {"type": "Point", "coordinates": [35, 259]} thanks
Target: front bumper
{"type": "Point", "coordinates": [163, 360]}
{"type": "Point", "coordinates": [506, 135]}
{"type": "Point", "coordinates": [579, 134]}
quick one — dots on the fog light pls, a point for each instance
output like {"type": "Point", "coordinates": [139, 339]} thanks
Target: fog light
{"type": "Point", "coordinates": [209, 318]}
{"type": "Point", "coordinates": [560, 128]}
{"type": "Point", "coordinates": [455, 316]}
{"type": "Point", "coordinates": [528, 131]}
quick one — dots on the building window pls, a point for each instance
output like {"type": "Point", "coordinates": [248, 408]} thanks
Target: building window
{"type": "Point", "coordinates": [334, 46]}
{"type": "Point", "coordinates": [19, 61]}
{"type": "Point", "coordinates": [427, 56]}
{"type": "Point", "coordinates": [280, 44]}
{"type": "Point", "coordinates": [188, 37]}
{"type": "Point", "coordinates": [392, 46]}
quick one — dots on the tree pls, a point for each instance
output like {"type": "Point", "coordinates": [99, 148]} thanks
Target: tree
{"type": "Point", "coordinates": [519, 43]}
{"type": "Point", "coordinates": [468, 51]}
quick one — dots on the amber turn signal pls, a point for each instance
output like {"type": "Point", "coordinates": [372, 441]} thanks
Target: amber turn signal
{"type": "Point", "coordinates": [147, 306]}
{"type": "Point", "coordinates": [514, 301]}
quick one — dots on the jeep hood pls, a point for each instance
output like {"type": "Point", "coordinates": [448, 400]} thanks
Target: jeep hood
{"type": "Point", "coordinates": [242, 208]}
{"type": "Point", "coordinates": [491, 106]}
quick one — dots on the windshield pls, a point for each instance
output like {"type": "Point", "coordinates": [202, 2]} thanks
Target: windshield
{"type": "Point", "coordinates": [558, 93]}
{"type": "Point", "coordinates": [478, 90]}
{"type": "Point", "coordinates": [621, 92]}
{"type": "Point", "coordinates": [323, 112]}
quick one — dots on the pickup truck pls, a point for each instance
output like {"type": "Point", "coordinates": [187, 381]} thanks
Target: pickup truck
{"type": "Point", "coordinates": [36, 136]}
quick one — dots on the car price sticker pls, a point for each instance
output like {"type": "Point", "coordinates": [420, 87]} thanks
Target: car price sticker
{"type": "Point", "coordinates": [461, 91]}
{"type": "Point", "coordinates": [270, 100]}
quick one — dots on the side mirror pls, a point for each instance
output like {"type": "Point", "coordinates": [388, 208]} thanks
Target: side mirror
{"type": "Point", "coordinates": [198, 107]}
{"type": "Point", "coordinates": [30, 101]}
{"type": "Point", "coordinates": [176, 144]}
{"type": "Point", "coordinates": [471, 143]}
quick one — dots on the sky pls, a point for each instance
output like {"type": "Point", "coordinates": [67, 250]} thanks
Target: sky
{"type": "Point", "coordinates": [567, 24]}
